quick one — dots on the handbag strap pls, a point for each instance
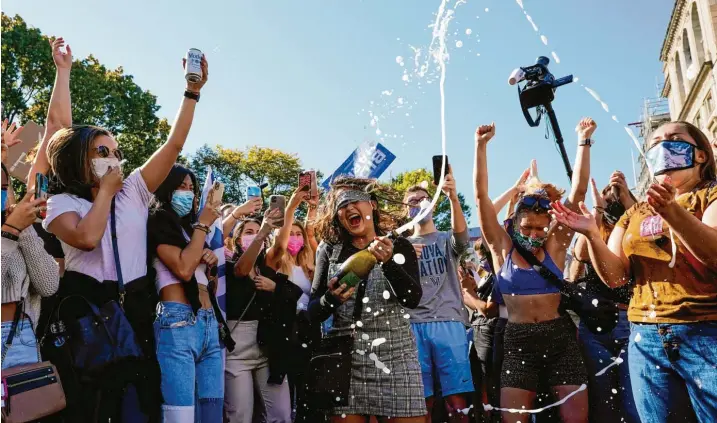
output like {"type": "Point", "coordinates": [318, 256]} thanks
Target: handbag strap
{"type": "Point", "coordinates": [13, 329]}
{"type": "Point", "coordinates": [115, 251]}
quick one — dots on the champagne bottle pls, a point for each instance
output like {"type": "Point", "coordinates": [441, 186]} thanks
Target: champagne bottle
{"type": "Point", "coordinates": [357, 267]}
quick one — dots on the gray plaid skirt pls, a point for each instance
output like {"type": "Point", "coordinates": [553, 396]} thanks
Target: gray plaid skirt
{"type": "Point", "coordinates": [385, 372]}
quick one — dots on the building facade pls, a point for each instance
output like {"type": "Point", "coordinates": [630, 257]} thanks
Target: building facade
{"type": "Point", "coordinates": [688, 56]}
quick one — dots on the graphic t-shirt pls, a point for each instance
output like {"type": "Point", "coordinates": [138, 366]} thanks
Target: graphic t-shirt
{"type": "Point", "coordinates": [682, 294]}
{"type": "Point", "coordinates": [442, 298]}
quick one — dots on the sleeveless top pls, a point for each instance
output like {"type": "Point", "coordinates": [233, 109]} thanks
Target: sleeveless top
{"type": "Point", "coordinates": [298, 277]}
{"type": "Point", "coordinates": [513, 280]}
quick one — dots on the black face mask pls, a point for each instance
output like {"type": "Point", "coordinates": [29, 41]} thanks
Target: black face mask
{"type": "Point", "coordinates": [613, 211]}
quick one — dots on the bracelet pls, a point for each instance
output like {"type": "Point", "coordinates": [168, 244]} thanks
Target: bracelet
{"type": "Point", "coordinates": [241, 216]}
{"type": "Point", "coordinates": [10, 236]}
{"type": "Point", "coordinates": [12, 227]}
{"type": "Point", "coordinates": [201, 227]}
{"type": "Point", "coordinates": [191, 95]}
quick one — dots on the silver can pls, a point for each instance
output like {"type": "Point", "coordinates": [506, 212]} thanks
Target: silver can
{"type": "Point", "coordinates": [193, 68]}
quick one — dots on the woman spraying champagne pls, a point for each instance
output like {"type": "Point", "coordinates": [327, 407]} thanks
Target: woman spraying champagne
{"type": "Point", "coordinates": [375, 280]}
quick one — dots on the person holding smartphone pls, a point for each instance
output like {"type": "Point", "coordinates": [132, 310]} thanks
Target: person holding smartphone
{"type": "Point", "coordinates": [86, 162]}
{"type": "Point", "coordinates": [261, 307]}
{"type": "Point", "coordinates": [386, 381]}
{"type": "Point", "coordinates": [189, 328]}
{"type": "Point", "coordinates": [440, 320]}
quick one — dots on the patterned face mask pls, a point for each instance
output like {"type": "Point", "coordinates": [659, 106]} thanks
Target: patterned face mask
{"type": "Point", "coordinates": [529, 243]}
{"type": "Point", "coordinates": [671, 155]}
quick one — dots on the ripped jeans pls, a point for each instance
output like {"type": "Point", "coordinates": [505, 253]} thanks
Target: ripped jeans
{"type": "Point", "coordinates": [190, 357]}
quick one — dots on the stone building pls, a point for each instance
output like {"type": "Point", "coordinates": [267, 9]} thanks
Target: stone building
{"type": "Point", "coordinates": [688, 56]}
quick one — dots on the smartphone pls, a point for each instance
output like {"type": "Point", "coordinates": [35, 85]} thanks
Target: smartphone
{"type": "Point", "coordinates": [437, 165]}
{"type": "Point", "coordinates": [308, 178]}
{"type": "Point", "coordinates": [41, 184]}
{"type": "Point", "coordinates": [277, 202]}
{"type": "Point", "coordinates": [253, 191]}
{"type": "Point", "coordinates": [216, 194]}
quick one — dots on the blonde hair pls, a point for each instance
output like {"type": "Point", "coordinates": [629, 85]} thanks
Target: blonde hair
{"type": "Point", "coordinates": [305, 258]}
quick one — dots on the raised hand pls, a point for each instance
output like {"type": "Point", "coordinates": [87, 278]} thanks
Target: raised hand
{"type": "Point", "coordinates": [209, 215]}
{"type": "Point", "coordinates": [273, 218]}
{"type": "Point", "coordinates": [585, 129]}
{"type": "Point", "coordinates": [11, 135]}
{"type": "Point", "coordinates": [264, 284]}
{"type": "Point", "coordinates": [62, 60]}
{"type": "Point", "coordinates": [449, 186]}
{"type": "Point", "coordinates": [300, 195]}
{"type": "Point", "coordinates": [519, 185]}
{"type": "Point", "coordinates": [585, 223]}
{"type": "Point", "coordinates": [24, 213]}
{"type": "Point", "coordinates": [196, 87]}
{"type": "Point", "coordinates": [253, 205]}
{"type": "Point", "coordinates": [484, 133]}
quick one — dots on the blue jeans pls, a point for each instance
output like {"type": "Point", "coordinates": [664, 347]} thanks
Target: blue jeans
{"type": "Point", "coordinates": [190, 358]}
{"type": "Point", "coordinates": [24, 346]}
{"type": "Point", "coordinates": [674, 371]}
{"type": "Point", "coordinates": [598, 351]}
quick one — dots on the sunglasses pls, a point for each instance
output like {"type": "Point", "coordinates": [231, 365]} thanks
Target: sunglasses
{"type": "Point", "coordinates": [534, 202]}
{"type": "Point", "coordinates": [416, 201]}
{"type": "Point", "coordinates": [104, 152]}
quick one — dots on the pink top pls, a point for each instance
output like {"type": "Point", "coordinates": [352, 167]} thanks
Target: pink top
{"type": "Point", "coordinates": [132, 204]}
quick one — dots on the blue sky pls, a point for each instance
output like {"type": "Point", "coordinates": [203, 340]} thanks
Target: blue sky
{"type": "Point", "coordinates": [300, 76]}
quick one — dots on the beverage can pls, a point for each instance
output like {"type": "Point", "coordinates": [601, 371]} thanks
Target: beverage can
{"type": "Point", "coordinates": [193, 68]}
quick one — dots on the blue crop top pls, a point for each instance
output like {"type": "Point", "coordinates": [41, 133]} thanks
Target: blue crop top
{"type": "Point", "coordinates": [512, 280]}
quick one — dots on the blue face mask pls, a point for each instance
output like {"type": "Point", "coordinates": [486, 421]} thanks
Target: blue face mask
{"type": "Point", "coordinates": [182, 202]}
{"type": "Point", "coordinates": [667, 156]}
{"type": "Point", "coordinates": [4, 199]}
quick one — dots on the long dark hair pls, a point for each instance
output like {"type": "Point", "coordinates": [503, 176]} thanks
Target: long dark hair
{"type": "Point", "coordinates": [68, 153]}
{"type": "Point", "coordinates": [328, 227]}
{"type": "Point", "coordinates": [163, 196]}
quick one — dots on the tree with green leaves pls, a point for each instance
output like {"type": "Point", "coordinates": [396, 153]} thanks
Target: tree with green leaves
{"type": "Point", "coordinates": [256, 165]}
{"type": "Point", "coordinates": [423, 177]}
{"type": "Point", "coordinates": [100, 96]}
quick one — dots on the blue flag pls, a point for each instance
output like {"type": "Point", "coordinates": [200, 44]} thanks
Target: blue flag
{"type": "Point", "coordinates": [367, 161]}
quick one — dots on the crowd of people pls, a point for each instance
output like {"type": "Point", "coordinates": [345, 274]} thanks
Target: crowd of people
{"type": "Point", "coordinates": [112, 283]}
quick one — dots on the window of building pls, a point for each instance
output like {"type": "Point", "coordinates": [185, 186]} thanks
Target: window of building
{"type": "Point", "coordinates": [709, 104]}
{"type": "Point", "coordinates": [698, 120]}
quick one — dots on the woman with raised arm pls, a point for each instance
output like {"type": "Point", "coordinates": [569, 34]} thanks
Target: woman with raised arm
{"type": "Point", "coordinates": [598, 349]}
{"type": "Point", "coordinates": [189, 327]}
{"type": "Point", "coordinates": [385, 382]}
{"type": "Point", "coordinates": [90, 196]}
{"type": "Point", "coordinates": [541, 348]}
{"type": "Point", "coordinates": [667, 246]}
{"type": "Point", "coordinates": [261, 309]}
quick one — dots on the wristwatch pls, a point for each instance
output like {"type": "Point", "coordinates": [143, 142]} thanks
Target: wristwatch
{"type": "Point", "coordinates": [586, 142]}
{"type": "Point", "coordinates": [191, 95]}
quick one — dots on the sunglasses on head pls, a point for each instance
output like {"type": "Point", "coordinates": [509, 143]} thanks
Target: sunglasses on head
{"type": "Point", "coordinates": [104, 152]}
{"type": "Point", "coordinates": [534, 202]}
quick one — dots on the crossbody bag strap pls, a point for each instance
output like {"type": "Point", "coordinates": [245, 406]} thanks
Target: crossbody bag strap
{"type": "Point", "coordinates": [13, 328]}
{"type": "Point", "coordinates": [115, 251]}
{"type": "Point", "coordinates": [540, 267]}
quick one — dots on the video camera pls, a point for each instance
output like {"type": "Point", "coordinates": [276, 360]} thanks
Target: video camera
{"type": "Point", "coordinates": [539, 92]}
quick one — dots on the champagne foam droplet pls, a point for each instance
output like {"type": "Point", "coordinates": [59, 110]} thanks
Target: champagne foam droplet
{"type": "Point", "coordinates": [595, 302]}
{"type": "Point", "coordinates": [386, 295]}
{"type": "Point", "coordinates": [364, 337]}
{"type": "Point", "coordinates": [359, 323]}
{"type": "Point", "coordinates": [365, 300]}
{"type": "Point", "coordinates": [399, 258]}
{"type": "Point", "coordinates": [424, 184]}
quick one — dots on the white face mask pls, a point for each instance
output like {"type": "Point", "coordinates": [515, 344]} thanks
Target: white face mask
{"type": "Point", "coordinates": [100, 166]}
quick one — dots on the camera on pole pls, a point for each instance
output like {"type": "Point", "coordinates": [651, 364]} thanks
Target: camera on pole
{"type": "Point", "coordinates": [539, 92]}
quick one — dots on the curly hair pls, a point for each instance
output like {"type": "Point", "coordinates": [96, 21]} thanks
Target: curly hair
{"type": "Point", "coordinates": [327, 226]}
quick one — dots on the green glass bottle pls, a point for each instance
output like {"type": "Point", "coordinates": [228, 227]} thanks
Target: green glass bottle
{"type": "Point", "coordinates": [357, 267]}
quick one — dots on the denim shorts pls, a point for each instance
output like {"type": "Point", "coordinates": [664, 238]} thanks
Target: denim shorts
{"type": "Point", "coordinates": [24, 346]}
{"type": "Point", "coordinates": [443, 350]}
